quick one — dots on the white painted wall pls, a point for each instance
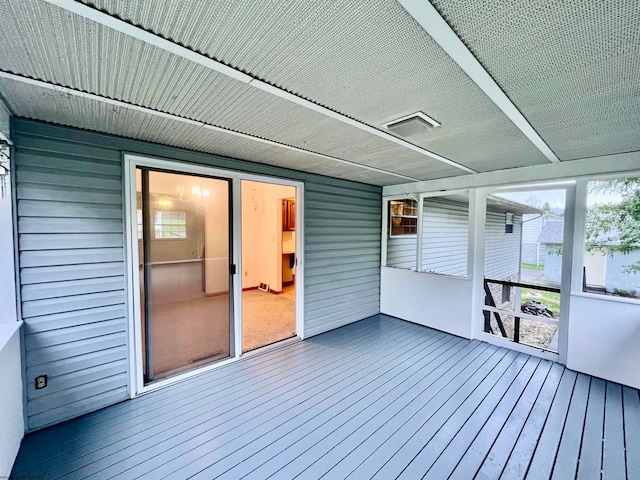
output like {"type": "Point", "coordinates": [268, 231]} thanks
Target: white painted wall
{"type": "Point", "coordinates": [437, 301]}
{"type": "Point", "coordinates": [252, 203]}
{"type": "Point", "coordinates": [11, 387]}
{"type": "Point", "coordinates": [604, 338]}
{"type": "Point", "coordinates": [11, 413]}
{"type": "Point", "coordinates": [262, 240]}
{"type": "Point", "coordinates": [216, 234]}
{"type": "Point", "coordinates": [7, 272]}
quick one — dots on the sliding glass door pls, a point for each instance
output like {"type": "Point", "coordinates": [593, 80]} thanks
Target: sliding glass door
{"type": "Point", "coordinates": [184, 252]}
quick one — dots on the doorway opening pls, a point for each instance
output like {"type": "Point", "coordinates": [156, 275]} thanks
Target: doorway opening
{"type": "Point", "coordinates": [268, 263]}
{"type": "Point", "coordinates": [524, 239]}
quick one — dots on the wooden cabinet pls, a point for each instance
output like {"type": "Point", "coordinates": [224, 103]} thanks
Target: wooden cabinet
{"type": "Point", "coordinates": [288, 215]}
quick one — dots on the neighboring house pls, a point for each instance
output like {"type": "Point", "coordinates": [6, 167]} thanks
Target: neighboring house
{"type": "Point", "coordinates": [445, 227]}
{"type": "Point", "coordinates": [551, 237]}
{"type": "Point", "coordinates": [533, 252]}
{"type": "Point", "coordinates": [603, 270]}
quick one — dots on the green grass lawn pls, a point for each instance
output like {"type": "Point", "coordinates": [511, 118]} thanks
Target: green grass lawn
{"type": "Point", "coordinates": [550, 299]}
{"type": "Point", "coordinates": [530, 266]}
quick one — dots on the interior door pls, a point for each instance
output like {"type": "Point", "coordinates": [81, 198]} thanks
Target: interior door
{"type": "Point", "coordinates": [185, 252]}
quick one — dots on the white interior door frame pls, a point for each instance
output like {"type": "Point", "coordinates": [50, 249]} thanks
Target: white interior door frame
{"type": "Point", "coordinates": [131, 161]}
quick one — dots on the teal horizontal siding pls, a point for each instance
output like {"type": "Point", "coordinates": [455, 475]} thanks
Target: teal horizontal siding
{"type": "Point", "coordinates": [70, 238]}
{"type": "Point", "coordinates": [69, 191]}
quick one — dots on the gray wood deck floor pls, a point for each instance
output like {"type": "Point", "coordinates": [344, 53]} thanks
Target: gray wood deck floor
{"type": "Point", "coordinates": [381, 398]}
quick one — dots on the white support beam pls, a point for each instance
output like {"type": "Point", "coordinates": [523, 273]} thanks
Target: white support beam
{"type": "Point", "coordinates": [98, 98]}
{"type": "Point", "coordinates": [585, 167]}
{"type": "Point", "coordinates": [172, 47]}
{"type": "Point", "coordinates": [430, 20]}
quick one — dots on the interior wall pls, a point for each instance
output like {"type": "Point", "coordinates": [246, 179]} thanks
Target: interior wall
{"type": "Point", "coordinates": [262, 235]}
{"type": "Point", "coordinates": [216, 236]}
{"type": "Point", "coordinates": [252, 199]}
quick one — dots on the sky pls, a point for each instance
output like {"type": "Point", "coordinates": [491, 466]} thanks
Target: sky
{"type": "Point", "coordinates": [556, 198]}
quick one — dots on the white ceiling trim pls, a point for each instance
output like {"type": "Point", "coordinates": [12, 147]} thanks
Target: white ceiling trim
{"type": "Point", "coordinates": [616, 165]}
{"type": "Point", "coordinates": [430, 20]}
{"type": "Point", "coordinates": [91, 96]}
{"type": "Point", "coordinates": [169, 46]}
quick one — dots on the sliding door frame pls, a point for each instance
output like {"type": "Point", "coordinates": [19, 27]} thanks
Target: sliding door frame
{"type": "Point", "coordinates": [131, 161]}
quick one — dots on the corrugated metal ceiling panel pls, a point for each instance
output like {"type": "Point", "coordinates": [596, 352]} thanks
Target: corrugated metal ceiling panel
{"type": "Point", "coordinates": [48, 43]}
{"type": "Point", "coordinates": [368, 59]}
{"type": "Point", "coordinates": [58, 107]}
{"type": "Point", "coordinates": [570, 67]}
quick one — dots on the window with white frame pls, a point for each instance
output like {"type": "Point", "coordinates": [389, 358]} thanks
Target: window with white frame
{"type": "Point", "coordinates": [403, 217]}
{"type": "Point", "coordinates": [169, 224]}
{"type": "Point", "coordinates": [402, 235]}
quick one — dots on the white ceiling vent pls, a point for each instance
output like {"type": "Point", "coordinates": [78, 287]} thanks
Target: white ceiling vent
{"type": "Point", "coordinates": [411, 125]}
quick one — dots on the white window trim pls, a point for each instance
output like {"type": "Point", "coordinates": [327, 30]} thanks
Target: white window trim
{"type": "Point", "coordinates": [417, 217]}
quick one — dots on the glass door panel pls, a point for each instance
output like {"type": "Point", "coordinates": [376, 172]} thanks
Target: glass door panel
{"type": "Point", "coordinates": [184, 250]}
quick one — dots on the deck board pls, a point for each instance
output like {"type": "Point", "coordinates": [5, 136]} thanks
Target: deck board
{"type": "Point", "coordinates": [566, 463]}
{"type": "Point", "coordinates": [613, 448]}
{"type": "Point", "coordinates": [590, 462]}
{"type": "Point", "coordinates": [432, 437]}
{"type": "Point", "coordinates": [544, 453]}
{"type": "Point", "coordinates": [631, 409]}
{"type": "Point", "coordinates": [380, 398]}
{"type": "Point", "coordinates": [373, 434]}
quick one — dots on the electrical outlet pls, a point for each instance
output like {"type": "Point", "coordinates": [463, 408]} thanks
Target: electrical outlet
{"type": "Point", "coordinates": [41, 382]}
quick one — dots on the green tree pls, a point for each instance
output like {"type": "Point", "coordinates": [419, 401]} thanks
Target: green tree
{"type": "Point", "coordinates": [615, 226]}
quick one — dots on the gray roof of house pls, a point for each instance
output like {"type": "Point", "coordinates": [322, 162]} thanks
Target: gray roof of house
{"type": "Point", "coordinates": [552, 232]}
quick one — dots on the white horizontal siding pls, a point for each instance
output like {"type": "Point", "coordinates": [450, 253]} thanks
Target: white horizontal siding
{"type": "Point", "coordinates": [502, 250]}
{"type": "Point", "coordinates": [401, 252]}
{"type": "Point", "coordinates": [445, 237]}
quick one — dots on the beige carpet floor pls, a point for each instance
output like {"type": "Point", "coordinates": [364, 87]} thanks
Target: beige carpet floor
{"type": "Point", "coordinates": [266, 317]}
{"type": "Point", "coordinates": [196, 332]}
{"type": "Point", "coordinates": [190, 333]}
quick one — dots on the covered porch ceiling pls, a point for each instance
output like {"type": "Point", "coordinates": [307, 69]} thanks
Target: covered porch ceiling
{"type": "Point", "coordinates": [310, 85]}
